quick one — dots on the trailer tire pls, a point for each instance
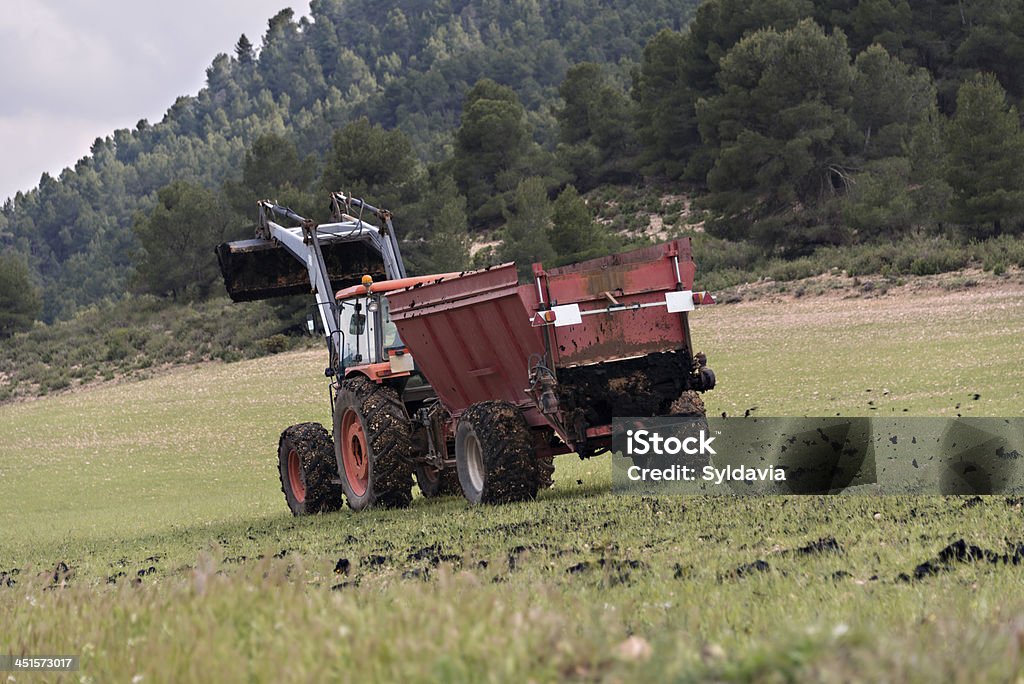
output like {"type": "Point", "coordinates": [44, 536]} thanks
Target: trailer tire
{"type": "Point", "coordinates": [372, 445]}
{"type": "Point", "coordinates": [494, 454]}
{"type": "Point", "coordinates": [433, 484]}
{"type": "Point", "coordinates": [306, 467]}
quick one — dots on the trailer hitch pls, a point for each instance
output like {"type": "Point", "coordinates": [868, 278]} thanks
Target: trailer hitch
{"type": "Point", "coordinates": [543, 386]}
{"type": "Point", "coordinates": [431, 419]}
{"type": "Point", "coordinates": [544, 390]}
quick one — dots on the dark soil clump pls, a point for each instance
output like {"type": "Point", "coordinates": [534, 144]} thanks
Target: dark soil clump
{"type": "Point", "coordinates": [750, 568]}
{"type": "Point", "coordinates": [962, 552]}
{"type": "Point", "coordinates": [373, 561]}
{"type": "Point", "coordinates": [823, 545]}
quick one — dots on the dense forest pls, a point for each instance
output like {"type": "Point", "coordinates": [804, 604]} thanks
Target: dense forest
{"type": "Point", "coordinates": [798, 125]}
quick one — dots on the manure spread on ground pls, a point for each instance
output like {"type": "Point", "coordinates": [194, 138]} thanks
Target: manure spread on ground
{"type": "Point", "coordinates": [434, 555]}
{"type": "Point", "coordinates": [820, 546]}
{"type": "Point", "coordinates": [373, 561]}
{"type": "Point", "coordinates": [960, 552]}
{"type": "Point", "coordinates": [617, 571]}
{"type": "Point", "coordinates": [748, 569]}
{"type": "Point", "coordinates": [62, 573]}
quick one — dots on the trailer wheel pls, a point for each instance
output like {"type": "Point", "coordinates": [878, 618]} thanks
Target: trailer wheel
{"type": "Point", "coordinates": [372, 445]}
{"type": "Point", "coordinates": [306, 466]}
{"type": "Point", "coordinates": [433, 483]}
{"type": "Point", "coordinates": [494, 454]}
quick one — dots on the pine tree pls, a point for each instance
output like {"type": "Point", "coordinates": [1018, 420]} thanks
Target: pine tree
{"type": "Point", "coordinates": [378, 165]}
{"type": "Point", "coordinates": [889, 99]}
{"type": "Point", "coordinates": [525, 235]}
{"type": "Point", "coordinates": [272, 170]}
{"type": "Point", "coordinates": [574, 234]}
{"type": "Point", "coordinates": [490, 147]}
{"type": "Point", "coordinates": [986, 156]}
{"type": "Point", "coordinates": [780, 133]}
{"type": "Point", "coordinates": [449, 239]}
{"type": "Point", "coordinates": [596, 136]}
{"type": "Point", "coordinates": [177, 239]}
{"type": "Point", "coordinates": [244, 51]}
{"type": "Point", "coordinates": [20, 303]}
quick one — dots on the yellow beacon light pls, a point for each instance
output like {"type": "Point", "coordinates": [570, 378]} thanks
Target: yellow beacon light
{"type": "Point", "coordinates": [367, 281]}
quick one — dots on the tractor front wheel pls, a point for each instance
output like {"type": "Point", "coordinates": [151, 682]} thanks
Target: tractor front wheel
{"type": "Point", "coordinates": [494, 454]}
{"type": "Point", "coordinates": [372, 442]}
{"type": "Point", "coordinates": [306, 466]}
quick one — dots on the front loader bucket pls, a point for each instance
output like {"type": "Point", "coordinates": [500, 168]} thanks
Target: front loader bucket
{"type": "Point", "coordinates": [262, 269]}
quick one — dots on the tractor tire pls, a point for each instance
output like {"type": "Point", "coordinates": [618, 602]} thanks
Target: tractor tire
{"type": "Point", "coordinates": [372, 445]}
{"type": "Point", "coordinates": [433, 484]}
{"type": "Point", "coordinates": [306, 466]}
{"type": "Point", "coordinates": [494, 454]}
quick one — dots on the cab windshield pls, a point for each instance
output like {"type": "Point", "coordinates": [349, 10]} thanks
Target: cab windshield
{"type": "Point", "coordinates": [391, 337]}
{"type": "Point", "coordinates": [362, 320]}
{"type": "Point", "coordinates": [359, 328]}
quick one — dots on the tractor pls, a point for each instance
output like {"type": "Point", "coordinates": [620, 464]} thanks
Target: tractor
{"type": "Point", "coordinates": [468, 382]}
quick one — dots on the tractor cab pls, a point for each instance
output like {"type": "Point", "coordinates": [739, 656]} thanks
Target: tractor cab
{"type": "Point", "coordinates": [371, 343]}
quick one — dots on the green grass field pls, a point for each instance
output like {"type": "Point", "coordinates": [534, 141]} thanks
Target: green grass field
{"type": "Point", "coordinates": [161, 497]}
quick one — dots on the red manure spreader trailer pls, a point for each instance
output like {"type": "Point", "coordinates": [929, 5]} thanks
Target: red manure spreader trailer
{"type": "Point", "coordinates": [470, 381]}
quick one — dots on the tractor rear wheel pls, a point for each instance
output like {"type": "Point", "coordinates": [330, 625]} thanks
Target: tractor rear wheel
{"type": "Point", "coordinates": [494, 454]}
{"type": "Point", "coordinates": [372, 436]}
{"type": "Point", "coordinates": [306, 466]}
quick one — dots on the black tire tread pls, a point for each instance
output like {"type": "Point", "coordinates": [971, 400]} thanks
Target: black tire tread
{"type": "Point", "coordinates": [388, 437]}
{"type": "Point", "coordinates": [316, 451]}
{"type": "Point", "coordinates": [511, 468]}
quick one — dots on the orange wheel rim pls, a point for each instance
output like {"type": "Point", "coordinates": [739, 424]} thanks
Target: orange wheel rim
{"type": "Point", "coordinates": [295, 476]}
{"type": "Point", "coordinates": [354, 455]}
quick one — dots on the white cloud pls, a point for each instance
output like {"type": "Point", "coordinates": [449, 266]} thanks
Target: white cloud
{"type": "Point", "coordinates": [34, 142]}
{"type": "Point", "coordinates": [49, 64]}
{"type": "Point", "coordinates": [75, 70]}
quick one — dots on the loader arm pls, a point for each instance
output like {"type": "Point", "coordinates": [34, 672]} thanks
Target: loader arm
{"type": "Point", "coordinates": [253, 270]}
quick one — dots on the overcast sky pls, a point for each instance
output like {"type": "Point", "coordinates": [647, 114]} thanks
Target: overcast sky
{"type": "Point", "coordinates": [74, 70]}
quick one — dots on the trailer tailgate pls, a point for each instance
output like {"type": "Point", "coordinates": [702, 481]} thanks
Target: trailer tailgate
{"type": "Point", "coordinates": [471, 335]}
{"type": "Point", "coordinates": [621, 299]}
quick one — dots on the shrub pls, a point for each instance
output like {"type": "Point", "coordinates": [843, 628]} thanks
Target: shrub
{"type": "Point", "coordinates": [275, 344]}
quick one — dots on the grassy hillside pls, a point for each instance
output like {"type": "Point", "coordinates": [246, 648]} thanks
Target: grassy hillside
{"type": "Point", "coordinates": [161, 498]}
